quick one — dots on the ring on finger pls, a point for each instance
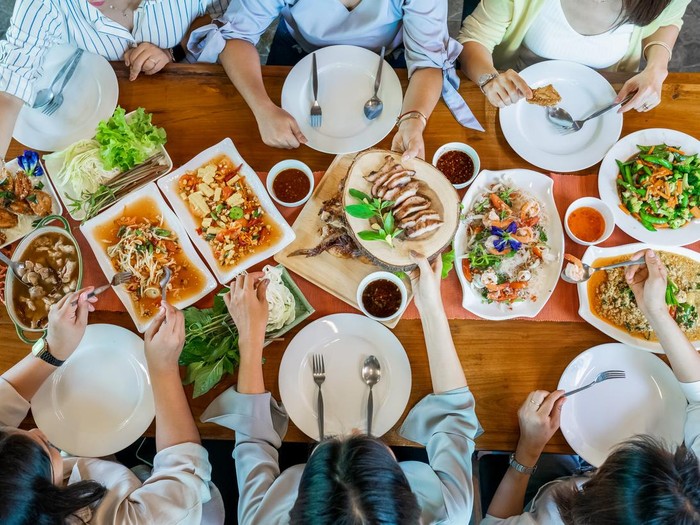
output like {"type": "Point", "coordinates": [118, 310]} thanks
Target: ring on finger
{"type": "Point", "coordinates": [535, 403]}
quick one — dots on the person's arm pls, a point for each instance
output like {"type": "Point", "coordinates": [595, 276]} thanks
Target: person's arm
{"type": "Point", "coordinates": [163, 342]}
{"type": "Point", "coordinates": [9, 110]}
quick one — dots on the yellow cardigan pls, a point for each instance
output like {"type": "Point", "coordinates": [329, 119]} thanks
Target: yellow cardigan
{"type": "Point", "coordinates": [501, 26]}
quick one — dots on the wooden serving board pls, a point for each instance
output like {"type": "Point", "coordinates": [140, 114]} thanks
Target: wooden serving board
{"type": "Point", "coordinates": [338, 277]}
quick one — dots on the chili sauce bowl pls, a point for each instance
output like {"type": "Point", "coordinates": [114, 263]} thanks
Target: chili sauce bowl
{"type": "Point", "coordinates": [379, 276]}
{"type": "Point", "coordinates": [599, 206]}
{"type": "Point", "coordinates": [277, 169]}
{"type": "Point", "coordinates": [466, 149]}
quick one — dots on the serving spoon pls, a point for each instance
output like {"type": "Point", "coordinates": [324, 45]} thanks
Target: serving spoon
{"type": "Point", "coordinates": [588, 271]}
{"type": "Point", "coordinates": [374, 106]}
{"type": "Point", "coordinates": [14, 266]}
{"type": "Point", "coordinates": [371, 374]}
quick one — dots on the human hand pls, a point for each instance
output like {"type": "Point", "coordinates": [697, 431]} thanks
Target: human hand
{"type": "Point", "coordinates": [539, 419]}
{"type": "Point", "coordinates": [67, 323]}
{"type": "Point", "coordinates": [506, 89]}
{"type": "Point", "coordinates": [146, 58]}
{"type": "Point", "coordinates": [164, 339]}
{"type": "Point", "coordinates": [647, 84]}
{"type": "Point", "coordinates": [648, 283]}
{"type": "Point", "coordinates": [426, 281]}
{"type": "Point", "coordinates": [278, 128]}
{"type": "Point", "coordinates": [409, 139]}
{"type": "Point", "coordinates": [246, 301]}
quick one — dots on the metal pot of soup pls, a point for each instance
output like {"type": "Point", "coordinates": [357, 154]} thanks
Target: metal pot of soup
{"type": "Point", "coordinates": [53, 268]}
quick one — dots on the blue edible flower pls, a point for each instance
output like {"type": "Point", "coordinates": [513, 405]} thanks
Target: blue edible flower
{"type": "Point", "coordinates": [29, 162]}
{"type": "Point", "coordinates": [505, 238]}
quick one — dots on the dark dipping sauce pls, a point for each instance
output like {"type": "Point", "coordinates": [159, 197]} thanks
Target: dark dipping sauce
{"type": "Point", "coordinates": [381, 298]}
{"type": "Point", "coordinates": [291, 185]}
{"type": "Point", "coordinates": [457, 166]}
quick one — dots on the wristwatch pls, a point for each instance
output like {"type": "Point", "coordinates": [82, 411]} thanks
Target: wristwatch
{"type": "Point", "coordinates": [40, 349]}
{"type": "Point", "coordinates": [520, 467]}
{"type": "Point", "coordinates": [177, 53]}
{"type": "Point", "coordinates": [485, 79]}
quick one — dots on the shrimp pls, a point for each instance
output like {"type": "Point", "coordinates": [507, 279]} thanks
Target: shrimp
{"type": "Point", "coordinates": [526, 235]}
{"type": "Point", "coordinates": [530, 213]}
{"type": "Point", "coordinates": [574, 270]}
{"type": "Point", "coordinates": [498, 203]}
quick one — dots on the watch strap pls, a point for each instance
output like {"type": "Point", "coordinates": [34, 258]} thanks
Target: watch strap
{"type": "Point", "coordinates": [520, 467]}
{"type": "Point", "coordinates": [178, 53]}
{"type": "Point", "coordinates": [46, 356]}
{"type": "Point", "coordinates": [488, 78]}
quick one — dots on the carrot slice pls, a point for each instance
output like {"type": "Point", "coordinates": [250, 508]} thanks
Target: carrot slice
{"type": "Point", "coordinates": [624, 208]}
{"type": "Point", "coordinates": [695, 211]}
{"type": "Point", "coordinates": [466, 267]}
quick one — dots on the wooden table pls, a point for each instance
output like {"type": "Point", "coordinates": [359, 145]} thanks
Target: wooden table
{"type": "Point", "coordinates": [504, 361]}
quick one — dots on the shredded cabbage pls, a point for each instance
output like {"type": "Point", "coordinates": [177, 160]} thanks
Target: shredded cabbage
{"type": "Point", "coordinates": [279, 299]}
{"type": "Point", "coordinates": [82, 169]}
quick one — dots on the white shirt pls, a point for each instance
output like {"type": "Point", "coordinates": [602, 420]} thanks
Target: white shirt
{"type": "Point", "coordinates": [37, 25]}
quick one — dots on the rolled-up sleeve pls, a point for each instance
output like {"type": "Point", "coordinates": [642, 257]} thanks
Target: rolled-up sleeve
{"type": "Point", "coordinates": [446, 425]}
{"type": "Point", "coordinates": [692, 420]}
{"type": "Point", "coordinates": [426, 40]}
{"type": "Point", "coordinates": [214, 8]}
{"type": "Point", "coordinates": [488, 23]}
{"type": "Point", "coordinates": [260, 424]}
{"type": "Point", "coordinates": [13, 407]}
{"type": "Point", "coordinates": [34, 28]}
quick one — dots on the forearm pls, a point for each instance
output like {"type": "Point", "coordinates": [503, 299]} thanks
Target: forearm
{"type": "Point", "coordinates": [683, 357]}
{"type": "Point", "coordinates": [174, 421]}
{"type": "Point", "coordinates": [509, 498]}
{"type": "Point", "coordinates": [250, 372]}
{"type": "Point", "coordinates": [9, 110]}
{"type": "Point", "coordinates": [424, 90]}
{"type": "Point", "coordinates": [657, 57]}
{"type": "Point", "coordinates": [28, 375]}
{"type": "Point", "coordinates": [475, 60]}
{"type": "Point", "coordinates": [242, 64]}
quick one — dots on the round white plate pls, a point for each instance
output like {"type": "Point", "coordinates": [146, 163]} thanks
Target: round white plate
{"type": "Point", "coordinates": [345, 82]}
{"type": "Point", "coordinates": [100, 401]}
{"type": "Point", "coordinates": [648, 401]}
{"type": "Point", "coordinates": [89, 97]}
{"type": "Point", "coordinates": [607, 186]}
{"type": "Point", "coordinates": [538, 141]}
{"type": "Point", "coordinates": [345, 341]}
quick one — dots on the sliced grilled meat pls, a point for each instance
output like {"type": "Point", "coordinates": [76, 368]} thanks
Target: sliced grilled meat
{"type": "Point", "coordinates": [384, 178]}
{"type": "Point", "coordinates": [419, 216]}
{"type": "Point", "coordinates": [396, 181]}
{"type": "Point", "coordinates": [388, 165]}
{"type": "Point", "coordinates": [411, 205]}
{"type": "Point", "coordinates": [398, 195]}
{"type": "Point", "coordinates": [421, 228]}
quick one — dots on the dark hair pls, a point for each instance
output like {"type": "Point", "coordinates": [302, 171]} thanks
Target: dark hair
{"type": "Point", "coordinates": [642, 12]}
{"type": "Point", "coordinates": [641, 483]}
{"type": "Point", "coordinates": [28, 495]}
{"type": "Point", "coordinates": [354, 481]}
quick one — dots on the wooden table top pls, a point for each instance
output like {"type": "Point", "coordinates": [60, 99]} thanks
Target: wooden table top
{"type": "Point", "coordinates": [504, 361]}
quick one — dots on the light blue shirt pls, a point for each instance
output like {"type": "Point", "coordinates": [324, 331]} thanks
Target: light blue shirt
{"type": "Point", "coordinates": [445, 424]}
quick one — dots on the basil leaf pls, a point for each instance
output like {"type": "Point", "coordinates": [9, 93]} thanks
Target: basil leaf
{"type": "Point", "coordinates": [359, 195]}
{"type": "Point", "coordinates": [360, 211]}
{"type": "Point", "coordinates": [369, 235]}
{"type": "Point", "coordinates": [192, 372]}
{"type": "Point", "coordinates": [207, 377]}
{"type": "Point", "coordinates": [389, 222]}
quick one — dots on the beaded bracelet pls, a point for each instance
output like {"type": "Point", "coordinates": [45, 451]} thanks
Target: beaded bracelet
{"type": "Point", "coordinates": [411, 115]}
{"type": "Point", "coordinates": [658, 43]}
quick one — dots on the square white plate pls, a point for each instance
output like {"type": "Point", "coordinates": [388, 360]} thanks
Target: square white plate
{"type": "Point", "coordinates": [168, 186]}
{"type": "Point", "coordinates": [171, 222]}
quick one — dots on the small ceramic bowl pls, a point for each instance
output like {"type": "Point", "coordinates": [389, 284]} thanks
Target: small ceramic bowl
{"type": "Point", "coordinates": [460, 146]}
{"type": "Point", "coordinates": [598, 205]}
{"type": "Point", "coordinates": [376, 276]}
{"type": "Point", "coordinates": [286, 165]}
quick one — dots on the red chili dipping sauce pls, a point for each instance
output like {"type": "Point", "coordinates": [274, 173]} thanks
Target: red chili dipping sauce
{"type": "Point", "coordinates": [381, 298]}
{"type": "Point", "coordinates": [457, 166]}
{"type": "Point", "coordinates": [588, 224]}
{"type": "Point", "coordinates": [291, 185]}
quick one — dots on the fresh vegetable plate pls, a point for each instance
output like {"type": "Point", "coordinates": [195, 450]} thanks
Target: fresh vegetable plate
{"type": "Point", "coordinates": [169, 185]}
{"type": "Point", "coordinates": [607, 185]}
{"type": "Point", "coordinates": [538, 187]}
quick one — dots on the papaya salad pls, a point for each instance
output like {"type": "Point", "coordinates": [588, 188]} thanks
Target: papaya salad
{"type": "Point", "coordinates": [506, 245]}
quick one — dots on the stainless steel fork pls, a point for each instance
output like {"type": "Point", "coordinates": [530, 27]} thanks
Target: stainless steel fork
{"type": "Point", "coordinates": [603, 376]}
{"type": "Point", "coordinates": [119, 278]}
{"type": "Point", "coordinates": [319, 371]}
{"type": "Point", "coordinates": [316, 114]}
{"type": "Point", "coordinates": [57, 100]}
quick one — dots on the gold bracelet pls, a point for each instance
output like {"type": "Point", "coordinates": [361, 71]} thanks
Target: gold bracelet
{"type": "Point", "coordinates": [412, 115]}
{"type": "Point", "coordinates": [658, 43]}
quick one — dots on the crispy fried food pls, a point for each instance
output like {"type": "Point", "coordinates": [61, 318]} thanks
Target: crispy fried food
{"type": "Point", "coordinates": [20, 208]}
{"type": "Point", "coordinates": [545, 96]}
{"type": "Point", "coordinates": [41, 203]}
{"type": "Point", "coordinates": [23, 186]}
{"type": "Point", "coordinates": [7, 219]}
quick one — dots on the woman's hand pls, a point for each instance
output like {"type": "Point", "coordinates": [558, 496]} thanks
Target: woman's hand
{"type": "Point", "coordinates": [426, 282]}
{"type": "Point", "coordinates": [539, 420]}
{"type": "Point", "coordinates": [409, 139]}
{"type": "Point", "coordinates": [164, 340]}
{"type": "Point", "coordinates": [67, 323]}
{"type": "Point", "coordinates": [278, 128]}
{"type": "Point", "coordinates": [506, 89]}
{"type": "Point", "coordinates": [247, 303]}
{"type": "Point", "coordinates": [648, 86]}
{"type": "Point", "coordinates": [146, 58]}
{"type": "Point", "coordinates": [648, 283]}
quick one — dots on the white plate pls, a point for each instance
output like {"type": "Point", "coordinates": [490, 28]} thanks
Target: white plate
{"type": "Point", "coordinates": [345, 82]}
{"type": "Point", "coordinates": [540, 187]}
{"type": "Point", "coordinates": [345, 341]}
{"type": "Point", "coordinates": [648, 401]}
{"type": "Point", "coordinates": [100, 401]}
{"type": "Point", "coordinates": [607, 186]}
{"type": "Point", "coordinates": [24, 226]}
{"type": "Point", "coordinates": [171, 222]}
{"type": "Point", "coordinates": [538, 141]}
{"type": "Point", "coordinates": [584, 309]}
{"type": "Point", "coordinates": [169, 187]}
{"type": "Point", "coordinates": [89, 97]}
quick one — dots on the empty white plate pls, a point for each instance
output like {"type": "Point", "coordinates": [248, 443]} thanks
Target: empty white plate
{"type": "Point", "coordinates": [648, 401]}
{"type": "Point", "coordinates": [100, 401]}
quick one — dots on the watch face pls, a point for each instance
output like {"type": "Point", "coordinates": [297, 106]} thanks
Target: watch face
{"type": "Point", "coordinates": [38, 346]}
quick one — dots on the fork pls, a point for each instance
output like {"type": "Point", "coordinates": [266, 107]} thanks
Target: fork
{"type": "Point", "coordinates": [316, 115]}
{"type": "Point", "coordinates": [119, 278]}
{"type": "Point", "coordinates": [319, 373]}
{"type": "Point", "coordinates": [57, 100]}
{"type": "Point", "coordinates": [603, 376]}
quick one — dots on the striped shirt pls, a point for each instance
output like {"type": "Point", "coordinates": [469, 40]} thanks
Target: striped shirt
{"type": "Point", "coordinates": [37, 25]}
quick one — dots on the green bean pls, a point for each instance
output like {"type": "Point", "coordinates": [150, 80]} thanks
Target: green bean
{"type": "Point", "coordinates": [651, 219]}
{"type": "Point", "coordinates": [657, 160]}
{"type": "Point", "coordinates": [639, 191]}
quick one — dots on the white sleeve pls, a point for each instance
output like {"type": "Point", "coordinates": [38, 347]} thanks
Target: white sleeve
{"type": "Point", "coordinates": [692, 418]}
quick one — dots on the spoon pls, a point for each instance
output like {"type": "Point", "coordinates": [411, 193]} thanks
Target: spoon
{"type": "Point", "coordinates": [374, 106]}
{"type": "Point", "coordinates": [46, 95]}
{"type": "Point", "coordinates": [14, 266]}
{"type": "Point", "coordinates": [164, 283]}
{"type": "Point", "coordinates": [371, 374]}
{"type": "Point", "coordinates": [560, 117]}
{"type": "Point", "coordinates": [588, 271]}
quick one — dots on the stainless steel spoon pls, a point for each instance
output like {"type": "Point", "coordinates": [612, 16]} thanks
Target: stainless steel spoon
{"type": "Point", "coordinates": [164, 283]}
{"type": "Point", "coordinates": [371, 374]}
{"type": "Point", "coordinates": [16, 267]}
{"type": "Point", "coordinates": [46, 95]}
{"type": "Point", "coordinates": [374, 106]}
{"type": "Point", "coordinates": [560, 117]}
{"type": "Point", "coordinates": [588, 271]}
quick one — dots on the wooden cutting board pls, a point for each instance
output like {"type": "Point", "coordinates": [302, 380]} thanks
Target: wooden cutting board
{"type": "Point", "coordinates": [339, 277]}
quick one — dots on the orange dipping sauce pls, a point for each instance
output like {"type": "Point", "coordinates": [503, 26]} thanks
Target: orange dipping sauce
{"type": "Point", "coordinates": [587, 224]}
